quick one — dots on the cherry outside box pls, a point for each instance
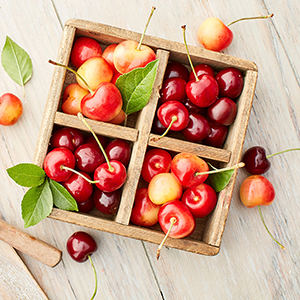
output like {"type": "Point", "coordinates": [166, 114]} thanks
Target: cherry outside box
{"type": "Point", "coordinates": [206, 238]}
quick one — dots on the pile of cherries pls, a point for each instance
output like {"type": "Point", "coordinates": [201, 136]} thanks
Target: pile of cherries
{"type": "Point", "coordinates": [75, 158]}
{"type": "Point", "coordinates": [200, 107]}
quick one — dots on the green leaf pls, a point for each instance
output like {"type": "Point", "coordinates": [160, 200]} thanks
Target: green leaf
{"type": "Point", "coordinates": [28, 175]}
{"type": "Point", "coordinates": [136, 87]}
{"type": "Point", "coordinates": [61, 197]}
{"type": "Point", "coordinates": [37, 204]}
{"type": "Point", "coordinates": [16, 62]}
{"type": "Point", "coordinates": [220, 180]}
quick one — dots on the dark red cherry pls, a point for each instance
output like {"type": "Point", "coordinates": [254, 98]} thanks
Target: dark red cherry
{"type": "Point", "coordinates": [54, 162]}
{"type": "Point", "coordinates": [192, 108]}
{"type": "Point", "coordinates": [176, 69]}
{"type": "Point", "coordinates": [107, 203]}
{"type": "Point", "coordinates": [202, 92]}
{"type": "Point", "coordinates": [88, 157]}
{"type": "Point", "coordinates": [217, 136]}
{"type": "Point", "coordinates": [120, 150]}
{"type": "Point", "coordinates": [173, 89]}
{"type": "Point", "coordinates": [86, 206]}
{"type": "Point", "coordinates": [201, 70]}
{"type": "Point", "coordinates": [79, 188]}
{"type": "Point", "coordinates": [80, 245]}
{"type": "Point", "coordinates": [256, 161]}
{"type": "Point", "coordinates": [157, 127]}
{"type": "Point", "coordinates": [230, 82]}
{"type": "Point", "coordinates": [102, 139]}
{"type": "Point", "coordinates": [198, 128]}
{"type": "Point", "coordinates": [223, 111]}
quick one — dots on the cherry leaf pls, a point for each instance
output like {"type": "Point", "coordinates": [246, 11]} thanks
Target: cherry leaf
{"type": "Point", "coordinates": [136, 87]}
{"type": "Point", "coordinates": [16, 62]}
{"type": "Point", "coordinates": [220, 180]}
{"type": "Point", "coordinates": [37, 204]}
{"type": "Point", "coordinates": [28, 175]}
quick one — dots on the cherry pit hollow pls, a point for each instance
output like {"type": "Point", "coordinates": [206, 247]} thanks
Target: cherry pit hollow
{"type": "Point", "coordinates": [207, 236]}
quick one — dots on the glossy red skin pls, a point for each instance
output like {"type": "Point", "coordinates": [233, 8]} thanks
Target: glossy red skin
{"type": "Point", "coordinates": [184, 166]}
{"type": "Point", "coordinates": [192, 108]}
{"type": "Point", "coordinates": [231, 82]}
{"type": "Point", "coordinates": [198, 128]}
{"type": "Point", "coordinates": [115, 77]}
{"type": "Point", "coordinates": [204, 92]}
{"type": "Point", "coordinates": [201, 200]}
{"type": "Point", "coordinates": [88, 157]}
{"type": "Point", "coordinates": [80, 245]}
{"type": "Point", "coordinates": [102, 139]}
{"type": "Point", "coordinates": [256, 161]}
{"type": "Point", "coordinates": [173, 108]}
{"type": "Point", "coordinates": [104, 104]}
{"type": "Point", "coordinates": [157, 127]}
{"type": "Point", "coordinates": [173, 89]}
{"type": "Point", "coordinates": [11, 109]}
{"type": "Point", "coordinates": [119, 118]}
{"type": "Point", "coordinates": [108, 55]}
{"type": "Point", "coordinates": [201, 70]}
{"type": "Point", "coordinates": [119, 150]}
{"type": "Point", "coordinates": [55, 159]}
{"type": "Point", "coordinates": [107, 203]}
{"type": "Point", "coordinates": [223, 111]}
{"type": "Point", "coordinates": [86, 206]}
{"type": "Point", "coordinates": [185, 222]}
{"type": "Point", "coordinates": [156, 161]}
{"type": "Point", "coordinates": [218, 135]}
{"type": "Point", "coordinates": [257, 190]}
{"type": "Point", "coordinates": [78, 187]}
{"type": "Point", "coordinates": [176, 69]}
{"type": "Point", "coordinates": [110, 181]}
{"type": "Point", "coordinates": [83, 49]}
{"type": "Point", "coordinates": [144, 212]}
{"type": "Point", "coordinates": [67, 137]}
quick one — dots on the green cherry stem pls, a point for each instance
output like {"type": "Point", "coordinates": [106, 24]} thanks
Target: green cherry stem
{"type": "Point", "coordinates": [71, 70]}
{"type": "Point", "coordinates": [142, 37]}
{"type": "Point", "coordinates": [81, 118]}
{"type": "Point", "coordinates": [262, 218]}
{"type": "Point", "coordinates": [237, 166]}
{"type": "Point", "coordinates": [78, 173]}
{"type": "Point", "coordinates": [251, 18]}
{"type": "Point", "coordinates": [280, 152]}
{"type": "Point", "coordinates": [174, 119]}
{"type": "Point", "coordinates": [187, 51]}
{"type": "Point", "coordinates": [173, 221]}
{"type": "Point", "coordinates": [96, 280]}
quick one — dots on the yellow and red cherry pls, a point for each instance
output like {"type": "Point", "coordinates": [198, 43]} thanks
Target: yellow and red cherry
{"type": "Point", "coordinates": [256, 161]}
{"type": "Point", "coordinates": [11, 109]}
{"type": "Point", "coordinates": [106, 202]}
{"type": "Point", "coordinates": [164, 187]}
{"type": "Point", "coordinates": [217, 136]}
{"type": "Point", "coordinates": [115, 77]}
{"type": "Point", "coordinates": [231, 82]}
{"type": "Point", "coordinates": [156, 161]}
{"type": "Point", "coordinates": [72, 97]}
{"type": "Point", "coordinates": [78, 187]}
{"type": "Point", "coordinates": [56, 160]}
{"type": "Point", "coordinates": [173, 89]}
{"type": "Point", "coordinates": [119, 150]}
{"type": "Point", "coordinates": [119, 118]}
{"type": "Point", "coordinates": [202, 69]}
{"type": "Point", "coordinates": [223, 111]}
{"type": "Point", "coordinates": [187, 168]}
{"type": "Point", "coordinates": [108, 55]}
{"type": "Point", "coordinates": [83, 49]}
{"type": "Point", "coordinates": [197, 129]}
{"type": "Point", "coordinates": [201, 200]}
{"type": "Point", "coordinates": [144, 211]}
{"type": "Point", "coordinates": [176, 69]}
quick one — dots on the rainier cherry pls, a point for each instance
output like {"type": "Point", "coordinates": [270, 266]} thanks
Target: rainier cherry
{"type": "Point", "coordinates": [11, 109]}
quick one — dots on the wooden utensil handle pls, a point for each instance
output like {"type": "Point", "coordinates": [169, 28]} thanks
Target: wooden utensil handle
{"type": "Point", "coordinates": [30, 245]}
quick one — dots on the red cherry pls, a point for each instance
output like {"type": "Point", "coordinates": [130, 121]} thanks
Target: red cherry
{"type": "Point", "coordinates": [107, 202]}
{"type": "Point", "coordinates": [108, 55]}
{"type": "Point", "coordinates": [102, 139]}
{"type": "Point", "coordinates": [86, 206]}
{"type": "Point", "coordinates": [120, 150]}
{"type": "Point", "coordinates": [201, 70]}
{"type": "Point", "coordinates": [173, 89]}
{"type": "Point", "coordinates": [157, 127]}
{"type": "Point", "coordinates": [176, 69]}
{"type": "Point", "coordinates": [192, 108]}
{"type": "Point", "coordinates": [231, 82]}
{"type": "Point", "coordinates": [200, 200]}
{"type": "Point", "coordinates": [217, 136]}
{"type": "Point", "coordinates": [55, 160]}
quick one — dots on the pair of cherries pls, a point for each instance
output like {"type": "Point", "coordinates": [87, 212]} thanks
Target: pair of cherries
{"type": "Point", "coordinates": [189, 102]}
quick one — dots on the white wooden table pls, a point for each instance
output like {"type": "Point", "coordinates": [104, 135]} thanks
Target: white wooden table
{"type": "Point", "coordinates": [250, 265]}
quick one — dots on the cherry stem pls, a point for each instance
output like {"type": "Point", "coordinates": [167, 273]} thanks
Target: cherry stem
{"type": "Point", "coordinates": [142, 37]}
{"type": "Point", "coordinates": [173, 221]}
{"type": "Point", "coordinates": [71, 70]}
{"type": "Point", "coordinates": [80, 116]}
{"type": "Point", "coordinates": [174, 119]}
{"type": "Point", "coordinates": [187, 51]}
{"type": "Point", "coordinates": [288, 150]}
{"type": "Point", "coordinates": [237, 166]}
{"type": "Point", "coordinates": [262, 218]}
{"type": "Point", "coordinates": [251, 18]}
{"type": "Point", "coordinates": [95, 273]}
{"type": "Point", "coordinates": [78, 173]}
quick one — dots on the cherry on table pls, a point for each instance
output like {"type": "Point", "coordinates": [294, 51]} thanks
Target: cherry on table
{"type": "Point", "coordinates": [256, 161]}
{"type": "Point", "coordinates": [120, 150]}
{"type": "Point", "coordinates": [176, 69]}
{"type": "Point", "coordinates": [173, 89]}
{"type": "Point", "coordinates": [202, 69]}
{"type": "Point", "coordinates": [106, 202]}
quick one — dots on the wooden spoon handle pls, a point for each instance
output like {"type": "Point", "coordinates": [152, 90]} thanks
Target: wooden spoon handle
{"type": "Point", "coordinates": [30, 245]}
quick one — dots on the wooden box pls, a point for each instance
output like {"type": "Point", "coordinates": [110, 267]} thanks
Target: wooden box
{"type": "Point", "coordinates": [206, 239]}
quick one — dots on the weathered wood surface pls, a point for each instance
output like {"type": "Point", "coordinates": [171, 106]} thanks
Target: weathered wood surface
{"type": "Point", "coordinates": [250, 265]}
